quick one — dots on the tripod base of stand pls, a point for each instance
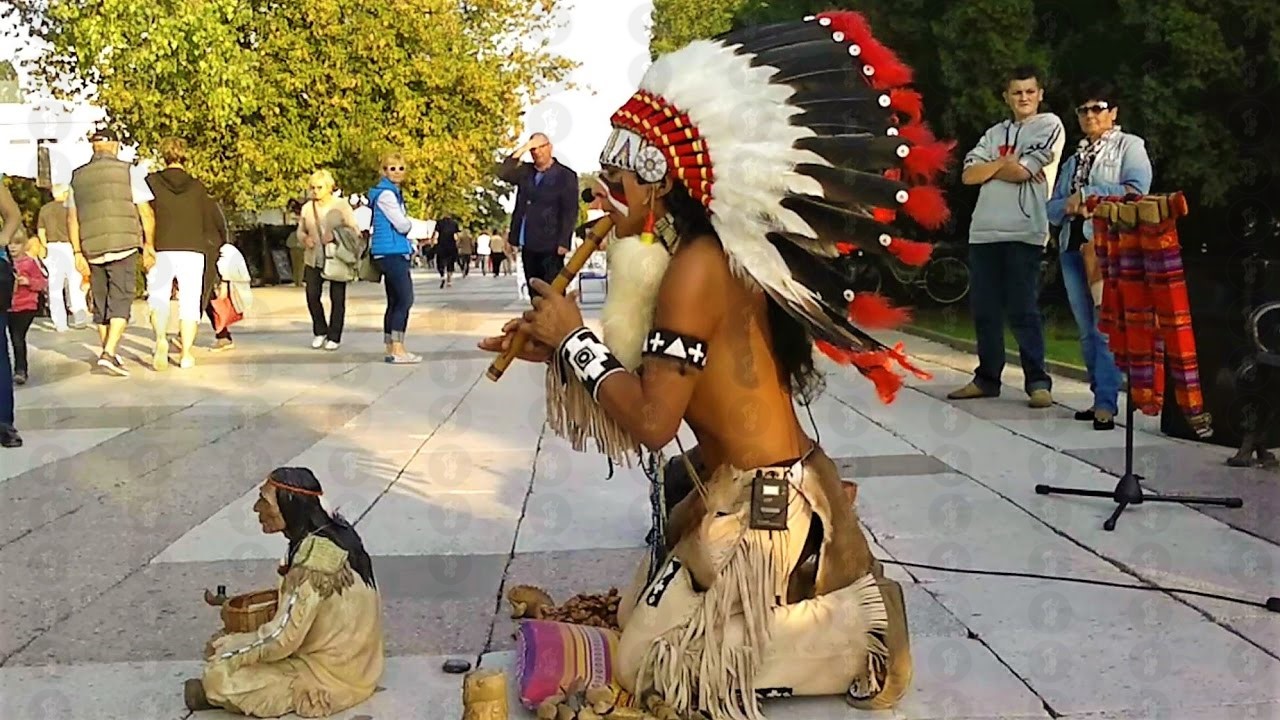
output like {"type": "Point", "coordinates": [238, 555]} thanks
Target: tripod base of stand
{"type": "Point", "coordinates": [1129, 492]}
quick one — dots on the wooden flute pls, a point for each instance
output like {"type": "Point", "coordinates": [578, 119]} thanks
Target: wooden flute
{"type": "Point", "coordinates": [571, 268]}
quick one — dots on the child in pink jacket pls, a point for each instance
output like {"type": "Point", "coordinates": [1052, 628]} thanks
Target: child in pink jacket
{"type": "Point", "coordinates": [31, 281]}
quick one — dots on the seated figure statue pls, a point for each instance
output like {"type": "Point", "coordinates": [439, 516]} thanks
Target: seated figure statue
{"type": "Point", "coordinates": [322, 652]}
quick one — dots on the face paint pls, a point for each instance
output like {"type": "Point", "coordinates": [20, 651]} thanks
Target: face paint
{"type": "Point", "coordinates": [610, 180]}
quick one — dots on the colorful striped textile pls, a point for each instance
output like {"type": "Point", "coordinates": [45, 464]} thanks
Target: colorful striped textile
{"type": "Point", "coordinates": [1146, 315]}
{"type": "Point", "coordinates": [552, 656]}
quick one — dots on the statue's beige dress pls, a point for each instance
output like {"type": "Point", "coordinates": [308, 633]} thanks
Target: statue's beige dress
{"type": "Point", "coordinates": [321, 654]}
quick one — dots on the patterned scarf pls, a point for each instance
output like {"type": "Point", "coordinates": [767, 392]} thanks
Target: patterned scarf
{"type": "Point", "coordinates": [1086, 153]}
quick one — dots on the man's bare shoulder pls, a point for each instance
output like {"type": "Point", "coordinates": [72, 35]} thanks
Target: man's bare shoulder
{"type": "Point", "coordinates": [694, 281]}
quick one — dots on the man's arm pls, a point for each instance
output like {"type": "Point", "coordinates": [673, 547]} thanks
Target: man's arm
{"type": "Point", "coordinates": [981, 163]}
{"type": "Point", "coordinates": [511, 169]}
{"type": "Point", "coordinates": [1041, 149]}
{"type": "Point", "coordinates": [148, 217]}
{"type": "Point", "coordinates": [11, 216]}
{"type": "Point", "coordinates": [651, 406]}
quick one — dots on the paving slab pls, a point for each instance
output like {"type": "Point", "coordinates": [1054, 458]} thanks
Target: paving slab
{"type": "Point", "coordinates": [42, 447]}
{"type": "Point", "coordinates": [114, 691]}
{"type": "Point", "coordinates": [453, 503]}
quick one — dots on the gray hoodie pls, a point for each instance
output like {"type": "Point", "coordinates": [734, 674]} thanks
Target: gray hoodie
{"type": "Point", "coordinates": [1015, 212]}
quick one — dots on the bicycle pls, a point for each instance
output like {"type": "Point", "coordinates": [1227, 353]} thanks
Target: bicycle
{"type": "Point", "coordinates": [944, 278]}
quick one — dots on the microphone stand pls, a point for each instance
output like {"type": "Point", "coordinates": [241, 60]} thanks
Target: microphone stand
{"type": "Point", "coordinates": [1128, 491]}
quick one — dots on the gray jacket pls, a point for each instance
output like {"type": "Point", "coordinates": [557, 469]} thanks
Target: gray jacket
{"type": "Point", "coordinates": [1015, 212]}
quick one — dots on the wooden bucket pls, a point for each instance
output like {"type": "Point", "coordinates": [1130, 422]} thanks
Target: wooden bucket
{"type": "Point", "coordinates": [246, 613]}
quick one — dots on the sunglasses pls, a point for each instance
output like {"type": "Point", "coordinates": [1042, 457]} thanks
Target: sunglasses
{"type": "Point", "coordinates": [1096, 108]}
{"type": "Point", "coordinates": [395, 169]}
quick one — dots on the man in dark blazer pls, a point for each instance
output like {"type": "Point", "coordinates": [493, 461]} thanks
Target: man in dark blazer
{"type": "Point", "coordinates": [546, 211]}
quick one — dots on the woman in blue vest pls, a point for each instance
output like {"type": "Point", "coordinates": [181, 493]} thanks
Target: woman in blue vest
{"type": "Point", "coordinates": [393, 252]}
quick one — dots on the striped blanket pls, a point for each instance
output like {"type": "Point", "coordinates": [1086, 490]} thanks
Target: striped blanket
{"type": "Point", "coordinates": [1145, 314]}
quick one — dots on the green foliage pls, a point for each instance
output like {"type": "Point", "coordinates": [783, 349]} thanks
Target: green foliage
{"type": "Point", "coordinates": [265, 91]}
{"type": "Point", "coordinates": [678, 22]}
{"type": "Point", "coordinates": [1198, 80]}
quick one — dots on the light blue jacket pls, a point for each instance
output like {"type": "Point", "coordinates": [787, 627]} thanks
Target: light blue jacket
{"type": "Point", "coordinates": [1122, 167]}
{"type": "Point", "coordinates": [1015, 212]}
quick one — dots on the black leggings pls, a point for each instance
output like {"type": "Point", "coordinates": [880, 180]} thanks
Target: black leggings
{"type": "Point", "coordinates": [19, 324]}
{"type": "Point", "coordinates": [332, 329]}
{"type": "Point", "coordinates": [495, 262]}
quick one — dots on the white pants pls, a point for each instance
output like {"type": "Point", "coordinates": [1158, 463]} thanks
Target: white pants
{"type": "Point", "coordinates": [63, 277]}
{"type": "Point", "coordinates": [188, 268]}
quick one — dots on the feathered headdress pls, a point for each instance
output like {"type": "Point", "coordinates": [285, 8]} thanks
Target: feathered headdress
{"type": "Point", "coordinates": [803, 143]}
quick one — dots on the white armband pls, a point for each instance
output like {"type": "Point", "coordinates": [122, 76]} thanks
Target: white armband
{"type": "Point", "coordinates": [589, 358]}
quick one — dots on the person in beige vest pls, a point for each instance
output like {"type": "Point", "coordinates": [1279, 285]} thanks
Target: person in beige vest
{"type": "Point", "coordinates": [110, 221]}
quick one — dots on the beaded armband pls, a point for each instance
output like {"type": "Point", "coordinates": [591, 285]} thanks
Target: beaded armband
{"type": "Point", "coordinates": [589, 358]}
{"type": "Point", "coordinates": [684, 349]}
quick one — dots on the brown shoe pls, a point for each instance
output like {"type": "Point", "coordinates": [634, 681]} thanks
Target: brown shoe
{"type": "Point", "coordinates": [1040, 399]}
{"type": "Point", "coordinates": [968, 392]}
{"type": "Point", "coordinates": [893, 679]}
{"type": "Point", "coordinates": [193, 694]}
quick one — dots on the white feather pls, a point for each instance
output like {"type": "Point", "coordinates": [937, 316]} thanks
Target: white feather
{"type": "Point", "coordinates": [745, 122]}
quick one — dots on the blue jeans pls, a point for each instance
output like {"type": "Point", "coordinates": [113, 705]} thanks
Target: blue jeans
{"type": "Point", "coordinates": [1005, 283]}
{"type": "Point", "coordinates": [1104, 376]}
{"type": "Point", "coordinates": [399, 285]}
{"type": "Point", "coordinates": [6, 373]}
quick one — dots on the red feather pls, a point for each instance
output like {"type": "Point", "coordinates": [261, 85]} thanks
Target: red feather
{"type": "Point", "coordinates": [899, 353]}
{"type": "Point", "coordinates": [926, 162]}
{"type": "Point", "coordinates": [876, 365]}
{"type": "Point", "coordinates": [872, 310]}
{"type": "Point", "coordinates": [927, 206]}
{"type": "Point", "coordinates": [907, 102]}
{"type": "Point", "coordinates": [846, 248]}
{"type": "Point", "coordinates": [884, 216]}
{"type": "Point", "coordinates": [917, 134]}
{"type": "Point", "coordinates": [889, 70]}
{"type": "Point", "coordinates": [911, 253]}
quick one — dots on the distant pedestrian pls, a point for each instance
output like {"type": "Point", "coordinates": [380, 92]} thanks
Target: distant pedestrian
{"type": "Point", "coordinates": [445, 239]}
{"type": "Point", "coordinates": [466, 251]}
{"type": "Point", "coordinates": [497, 252]}
{"type": "Point", "coordinates": [546, 210]}
{"type": "Point", "coordinates": [393, 252]}
{"type": "Point", "coordinates": [66, 296]}
{"type": "Point", "coordinates": [110, 221]}
{"type": "Point", "coordinates": [323, 214]}
{"type": "Point", "coordinates": [31, 280]}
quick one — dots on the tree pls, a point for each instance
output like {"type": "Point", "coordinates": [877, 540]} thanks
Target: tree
{"type": "Point", "coordinates": [1197, 80]}
{"type": "Point", "coordinates": [267, 91]}
{"type": "Point", "coordinates": [678, 22]}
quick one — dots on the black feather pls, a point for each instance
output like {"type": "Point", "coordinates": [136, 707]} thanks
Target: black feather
{"type": "Point", "coordinates": [833, 224]}
{"type": "Point", "coordinates": [851, 188]}
{"type": "Point", "coordinates": [829, 82]}
{"type": "Point", "coordinates": [867, 114]}
{"type": "Point", "coordinates": [872, 152]}
{"type": "Point", "coordinates": [864, 97]}
{"type": "Point", "coordinates": [825, 322]}
{"type": "Point", "coordinates": [816, 273]}
{"type": "Point", "coordinates": [813, 55]}
{"type": "Point", "coordinates": [759, 38]}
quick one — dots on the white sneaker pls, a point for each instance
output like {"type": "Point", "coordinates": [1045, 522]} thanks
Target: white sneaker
{"type": "Point", "coordinates": [317, 342]}
{"type": "Point", "coordinates": [331, 345]}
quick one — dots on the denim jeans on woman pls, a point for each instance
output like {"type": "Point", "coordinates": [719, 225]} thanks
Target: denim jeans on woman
{"type": "Point", "coordinates": [1104, 376]}
{"type": "Point", "coordinates": [399, 285]}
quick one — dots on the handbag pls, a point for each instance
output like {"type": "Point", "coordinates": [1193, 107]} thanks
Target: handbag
{"type": "Point", "coordinates": [8, 281]}
{"type": "Point", "coordinates": [225, 313]}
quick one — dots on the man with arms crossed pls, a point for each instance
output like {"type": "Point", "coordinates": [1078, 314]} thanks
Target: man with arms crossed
{"type": "Point", "coordinates": [1015, 162]}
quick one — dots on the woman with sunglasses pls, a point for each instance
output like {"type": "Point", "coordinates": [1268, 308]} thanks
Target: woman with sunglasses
{"type": "Point", "coordinates": [1108, 162]}
{"type": "Point", "coordinates": [393, 253]}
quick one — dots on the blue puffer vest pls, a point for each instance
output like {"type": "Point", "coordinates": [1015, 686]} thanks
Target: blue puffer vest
{"type": "Point", "coordinates": [386, 240]}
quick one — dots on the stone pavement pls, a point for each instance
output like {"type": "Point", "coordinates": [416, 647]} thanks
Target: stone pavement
{"type": "Point", "coordinates": [133, 495]}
